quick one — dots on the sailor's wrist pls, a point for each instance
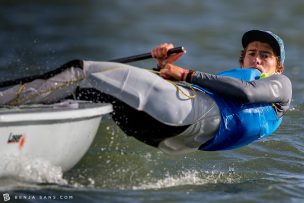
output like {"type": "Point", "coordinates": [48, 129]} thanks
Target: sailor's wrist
{"type": "Point", "coordinates": [184, 74]}
{"type": "Point", "coordinates": [188, 76]}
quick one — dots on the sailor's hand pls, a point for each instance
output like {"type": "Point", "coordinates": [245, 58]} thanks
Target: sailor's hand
{"type": "Point", "coordinates": [173, 72]}
{"type": "Point", "coordinates": [161, 54]}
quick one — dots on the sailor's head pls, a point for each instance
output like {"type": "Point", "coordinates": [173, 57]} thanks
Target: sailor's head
{"type": "Point", "coordinates": [263, 50]}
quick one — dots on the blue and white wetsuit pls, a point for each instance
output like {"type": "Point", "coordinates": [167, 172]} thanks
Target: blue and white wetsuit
{"type": "Point", "coordinates": [250, 108]}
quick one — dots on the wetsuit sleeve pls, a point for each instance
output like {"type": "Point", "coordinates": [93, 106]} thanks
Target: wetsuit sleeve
{"type": "Point", "coordinates": [275, 89]}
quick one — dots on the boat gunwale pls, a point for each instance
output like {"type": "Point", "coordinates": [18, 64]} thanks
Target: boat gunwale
{"type": "Point", "coordinates": [39, 114]}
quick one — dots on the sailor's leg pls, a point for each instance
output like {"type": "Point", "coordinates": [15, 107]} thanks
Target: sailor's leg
{"type": "Point", "coordinates": [134, 123]}
{"type": "Point", "coordinates": [49, 90]}
{"type": "Point", "coordinates": [146, 91]}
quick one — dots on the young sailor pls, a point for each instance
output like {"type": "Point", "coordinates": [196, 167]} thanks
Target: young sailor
{"type": "Point", "coordinates": [249, 109]}
{"type": "Point", "coordinates": [162, 114]}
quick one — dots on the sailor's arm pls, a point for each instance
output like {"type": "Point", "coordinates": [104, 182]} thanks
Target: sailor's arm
{"type": "Point", "coordinates": [274, 89]}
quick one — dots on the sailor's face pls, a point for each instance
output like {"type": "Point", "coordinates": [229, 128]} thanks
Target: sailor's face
{"type": "Point", "coordinates": [261, 56]}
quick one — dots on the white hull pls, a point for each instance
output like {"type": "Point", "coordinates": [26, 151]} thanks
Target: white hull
{"type": "Point", "coordinates": [60, 135]}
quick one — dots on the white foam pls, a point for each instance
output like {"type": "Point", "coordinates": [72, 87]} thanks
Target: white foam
{"type": "Point", "coordinates": [191, 177]}
{"type": "Point", "coordinates": [29, 170]}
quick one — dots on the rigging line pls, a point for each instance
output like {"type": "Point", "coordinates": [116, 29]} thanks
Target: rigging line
{"type": "Point", "coordinates": [18, 101]}
{"type": "Point", "coordinates": [178, 87]}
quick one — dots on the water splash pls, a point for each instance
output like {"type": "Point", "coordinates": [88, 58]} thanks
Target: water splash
{"type": "Point", "coordinates": [16, 170]}
{"type": "Point", "coordinates": [191, 177]}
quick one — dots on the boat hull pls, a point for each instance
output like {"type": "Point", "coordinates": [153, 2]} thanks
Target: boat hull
{"type": "Point", "coordinates": [60, 136]}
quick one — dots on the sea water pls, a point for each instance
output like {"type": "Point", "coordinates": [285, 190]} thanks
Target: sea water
{"type": "Point", "coordinates": [38, 36]}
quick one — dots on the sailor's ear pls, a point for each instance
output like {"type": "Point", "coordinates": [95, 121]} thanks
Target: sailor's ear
{"type": "Point", "coordinates": [242, 56]}
{"type": "Point", "coordinates": [280, 66]}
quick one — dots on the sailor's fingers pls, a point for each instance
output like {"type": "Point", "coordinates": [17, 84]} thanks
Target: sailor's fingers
{"type": "Point", "coordinates": [174, 57]}
{"type": "Point", "coordinates": [161, 51]}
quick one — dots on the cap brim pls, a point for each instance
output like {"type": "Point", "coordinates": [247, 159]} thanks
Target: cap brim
{"type": "Point", "coordinates": [262, 36]}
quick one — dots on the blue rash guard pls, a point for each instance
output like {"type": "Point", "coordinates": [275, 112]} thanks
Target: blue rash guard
{"type": "Point", "coordinates": [245, 116]}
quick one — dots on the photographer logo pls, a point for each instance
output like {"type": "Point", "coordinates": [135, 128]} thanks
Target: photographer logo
{"type": "Point", "coordinates": [6, 197]}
